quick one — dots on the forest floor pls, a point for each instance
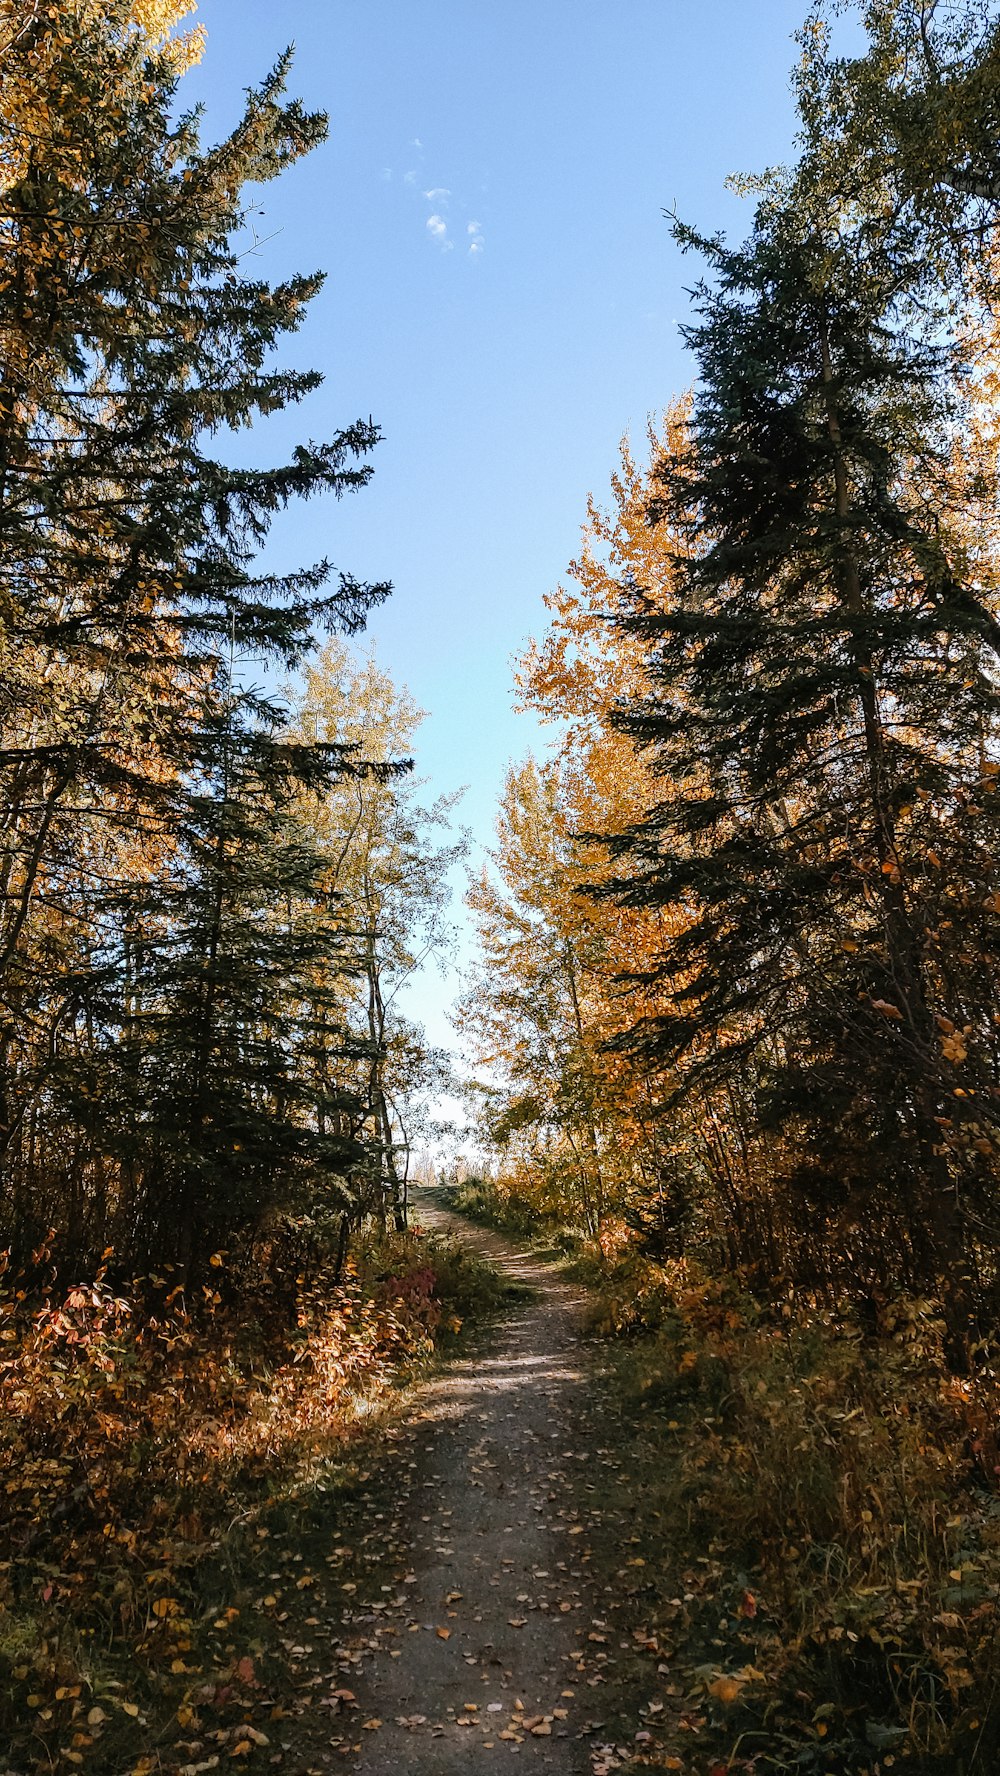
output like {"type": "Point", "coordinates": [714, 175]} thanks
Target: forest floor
{"type": "Point", "coordinates": [577, 1550]}
{"type": "Point", "coordinates": [491, 1558]}
{"type": "Point", "coordinates": [724, 1548]}
{"type": "Point", "coordinates": [456, 1573]}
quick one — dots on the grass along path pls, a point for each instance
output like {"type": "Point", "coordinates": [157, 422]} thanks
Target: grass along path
{"type": "Point", "coordinates": [480, 1624]}
{"type": "Point", "coordinates": [484, 1574]}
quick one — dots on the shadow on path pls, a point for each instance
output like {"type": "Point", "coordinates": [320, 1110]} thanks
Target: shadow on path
{"type": "Point", "coordinates": [481, 1645]}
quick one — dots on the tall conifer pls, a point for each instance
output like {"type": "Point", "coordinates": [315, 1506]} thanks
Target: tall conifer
{"type": "Point", "coordinates": [133, 337]}
{"type": "Point", "coordinates": [824, 703]}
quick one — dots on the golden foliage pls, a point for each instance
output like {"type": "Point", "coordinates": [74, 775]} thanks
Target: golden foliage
{"type": "Point", "coordinates": [550, 1000]}
{"type": "Point", "coordinates": [34, 40]}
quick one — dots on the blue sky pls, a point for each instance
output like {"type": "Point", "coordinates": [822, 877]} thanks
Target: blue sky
{"type": "Point", "coordinates": [503, 295]}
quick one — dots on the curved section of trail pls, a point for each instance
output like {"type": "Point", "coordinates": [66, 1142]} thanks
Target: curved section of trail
{"type": "Point", "coordinates": [488, 1662]}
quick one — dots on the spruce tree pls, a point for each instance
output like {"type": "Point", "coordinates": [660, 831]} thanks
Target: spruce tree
{"type": "Point", "coordinates": [232, 989]}
{"type": "Point", "coordinates": [824, 704]}
{"type": "Point", "coordinates": [132, 338]}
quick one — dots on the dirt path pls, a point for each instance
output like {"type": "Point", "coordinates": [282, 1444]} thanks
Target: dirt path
{"type": "Point", "coordinates": [476, 1579]}
{"type": "Point", "coordinates": [485, 1636]}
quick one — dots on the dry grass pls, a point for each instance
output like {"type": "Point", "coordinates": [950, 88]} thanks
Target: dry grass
{"type": "Point", "coordinates": [839, 1495]}
{"type": "Point", "coordinates": [146, 1439]}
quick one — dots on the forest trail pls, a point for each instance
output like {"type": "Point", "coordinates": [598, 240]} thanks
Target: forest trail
{"type": "Point", "coordinates": [496, 1596]}
{"type": "Point", "coordinates": [484, 1565]}
{"type": "Point", "coordinates": [481, 1582]}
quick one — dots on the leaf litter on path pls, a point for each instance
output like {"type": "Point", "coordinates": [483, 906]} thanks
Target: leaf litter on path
{"type": "Point", "coordinates": [482, 1591]}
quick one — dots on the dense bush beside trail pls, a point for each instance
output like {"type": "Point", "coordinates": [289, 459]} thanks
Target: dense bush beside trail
{"type": "Point", "coordinates": [837, 1494]}
{"type": "Point", "coordinates": [512, 1205]}
{"type": "Point", "coordinates": [142, 1434]}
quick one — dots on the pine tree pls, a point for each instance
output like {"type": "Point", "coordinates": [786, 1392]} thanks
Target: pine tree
{"type": "Point", "coordinates": [131, 339]}
{"type": "Point", "coordinates": [823, 704]}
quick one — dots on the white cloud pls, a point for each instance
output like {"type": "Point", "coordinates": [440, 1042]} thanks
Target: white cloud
{"type": "Point", "coordinates": [387, 173]}
{"type": "Point", "coordinates": [440, 200]}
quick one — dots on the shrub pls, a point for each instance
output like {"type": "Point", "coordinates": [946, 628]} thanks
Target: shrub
{"type": "Point", "coordinates": [852, 1482]}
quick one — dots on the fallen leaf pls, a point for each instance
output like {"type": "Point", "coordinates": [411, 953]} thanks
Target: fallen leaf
{"type": "Point", "coordinates": [887, 1010]}
{"type": "Point", "coordinates": [725, 1689]}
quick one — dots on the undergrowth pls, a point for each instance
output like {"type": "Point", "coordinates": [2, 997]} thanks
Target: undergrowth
{"type": "Point", "coordinates": [500, 1203]}
{"type": "Point", "coordinates": [145, 1437]}
{"type": "Point", "coordinates": [835, 1529]}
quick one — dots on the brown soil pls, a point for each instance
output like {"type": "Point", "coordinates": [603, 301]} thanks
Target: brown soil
{"type": "Point", "coordinates": [483, 1565]}
{"type": "Point", "coordinates": [496, 1591]}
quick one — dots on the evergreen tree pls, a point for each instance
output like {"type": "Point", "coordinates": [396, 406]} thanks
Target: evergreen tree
{"type": "Point", "coordinates": [824, 702]}
{"type": "Point", "coordinates": [231, 997]}
{"type": "Point", "coordinates": [131, 339]}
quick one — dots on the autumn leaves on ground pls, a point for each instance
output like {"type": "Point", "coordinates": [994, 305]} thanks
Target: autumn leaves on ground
{"type": "Point", "coordinates": [692, 1461]}
{"type": "Point", "coordinates": [388, 1541]}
